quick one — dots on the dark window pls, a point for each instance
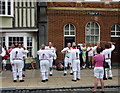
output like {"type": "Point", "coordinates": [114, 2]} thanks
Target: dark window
{"type": "Point", "coordinates": [9, 7]}
{"type": "Point", "coordinates": [2, 7]}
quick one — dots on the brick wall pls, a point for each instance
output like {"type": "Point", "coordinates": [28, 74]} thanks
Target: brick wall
{"type": "Point", "coordinates": [58, 18]}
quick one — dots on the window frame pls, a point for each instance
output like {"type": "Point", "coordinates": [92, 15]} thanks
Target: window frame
{"type": "Point", "coordinates": [6, 9]}
{"type": "Point", "coordinates": [69, 30]}
{"type": "Point", "coordinates": [115, 31]}
{"type": "Point", "coordinates": [24, 35]}
{"type": "Point", "coordinates": [90, 34]}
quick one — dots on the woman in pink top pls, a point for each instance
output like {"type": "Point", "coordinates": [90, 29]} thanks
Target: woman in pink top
{"type": "Point", "coordinates": [98, 70]}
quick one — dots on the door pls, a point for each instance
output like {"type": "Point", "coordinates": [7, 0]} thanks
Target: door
{"type": "Point", "coordinates": [68, 40]}
{"type": "Point", "coordinates": [116, 52]}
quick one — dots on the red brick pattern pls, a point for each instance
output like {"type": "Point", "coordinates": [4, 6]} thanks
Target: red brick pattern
{"type": "Point", "coordinates": [57, 19]}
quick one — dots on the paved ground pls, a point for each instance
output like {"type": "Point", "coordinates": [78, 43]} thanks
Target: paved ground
{"type": "Point", "coordinates": [33, 81]}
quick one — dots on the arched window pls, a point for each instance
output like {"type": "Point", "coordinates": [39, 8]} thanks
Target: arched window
{"type": "Point", "coordinates": [115, 30]}
{"type": "Point", "coordinates": [92, 32]}
{"type": "Point", "coordinates": [69, 34]}
{"type": "Point", "coordinates": [69, 30]}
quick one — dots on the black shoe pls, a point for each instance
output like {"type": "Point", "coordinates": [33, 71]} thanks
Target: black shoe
{"type": "Point", "coordinates": [43, 80]}
{"type": "Point", "coordinates": [21, 80]}
{"type": "Point", "coordinates": [71, 73]}
{"type": "Point", "coordinates": [74, 80]}
{"type": "Point", "coordinates": [46, 79]}
{"type": "Point", "coordinates": [110, 78]}
{"type": "Point", "coordinates": [78, 79]}
{"type": "Point", "coordinates": [14, 80]}
{"type": "Point", "coordinates": [64, 74]}
{"type": "Point", "coordinates": [102, 91]}
{"type": "Point", "coordinates": [104, 78]}
{"type": "Point", "coordinates": [50, 75]}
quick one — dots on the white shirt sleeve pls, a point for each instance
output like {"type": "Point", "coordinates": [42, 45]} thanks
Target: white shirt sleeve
{"type": "Point", "coordinates": [63, 51]}
{"type": "Point", "coordinates": [38, 52]}
{"type": "Point", "coordinates": [11, 57]}
{"type": "Point", "coordinates": [94, 48]}
{"type": "Point", "coordinates": [3, 52]}
{"type": "Point", "coordinates": [52, 53]}
{"type": "Point", "coordinates": [112, 48]}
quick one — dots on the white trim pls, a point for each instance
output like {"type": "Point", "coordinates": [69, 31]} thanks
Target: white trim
{"type": "Point", "coordinates": [6, 9]}
{"type": "Point", "coordinates": [6, 41]}
{"type": "Point", "coordinates": [69, 30]}
{"type": "Point", "coordinates": [18, 30]}
{"type": "Point", "coordinates": [114, 36]}
{"type": "Point", "coordinates": [33, 47]}
{"type": "Point", "coordinates": [69, 35]}
{"type": "Point", "coordinates": [25, 41]}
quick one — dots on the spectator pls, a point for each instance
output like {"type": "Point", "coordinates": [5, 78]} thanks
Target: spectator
{"type": "Point", "coordinates": [98, 60]}
{"type": "Point", "coordinates": [2, 54]}
{"type": "Point", "coordinates": [5, 58]}
{"type": "Point", "coordinates": [90, 55]}
{"type": "Point", "coordinates": [84, 55]}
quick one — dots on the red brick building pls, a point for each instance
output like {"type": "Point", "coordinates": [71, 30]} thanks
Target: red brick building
{"type": "Point", "coordinates": [86, 22]}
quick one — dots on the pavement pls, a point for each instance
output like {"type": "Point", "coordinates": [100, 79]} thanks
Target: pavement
{"type": "Point", "coordinates": [57, 81]}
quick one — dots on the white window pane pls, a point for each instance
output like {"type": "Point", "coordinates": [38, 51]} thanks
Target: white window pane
{"type": "Point", "coordinates": [72, 33]}
{"type": "Point", "coordinates": [88, 38]}
{"type": "Point", "coordinates": [92, 0]}
{"type": "Point", "coordinates": [67, 27]}
{"type": "Point", "coordinates": [92, 24]}
{"type": "Point", "coordinates": [118, 33]}
{"type": "Point", "coordinates": [96, 31]}
{"type": "Point", "coordinates": [96, 38]}
{"type": "Point", "coordinates": [92, 38]}
{"type": "Point", "coordinates": [71, 27]}
{"type": "Point", "coordinates": [29, 46]}
{"type": "Point", "coordinates": [96, 26]}
{"type": "Point", "coordinates": [66, 33]}
{"type": "Point", "coordinates": [112, 33]}
{"type": "Point", "coordinates": [87, 31]}
{"type": "Point", "coordinates": [88, 25]}
{"type": "Point", "coordinates": [117, 27]}
{"type": "Point", "coordinates": [113, 28]}
{"type": "Point", "coordinates": [92, 31]}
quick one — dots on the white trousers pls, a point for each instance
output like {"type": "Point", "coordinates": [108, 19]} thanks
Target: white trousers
{"type": "Point", "coordinates": [76, 69]}
{"type": "Point", "coordinates": [44, 68]}
{"type": "Point", "coordinates": [51, 63]}
{"type": "Point", "coordinates": [66, 62]}
{"type": "Point", "coordinates": [108, 69]}
{"type": "Point", "coordinates": [17, 68]}
{"type": "Point", "coordinates": [4, 62]}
